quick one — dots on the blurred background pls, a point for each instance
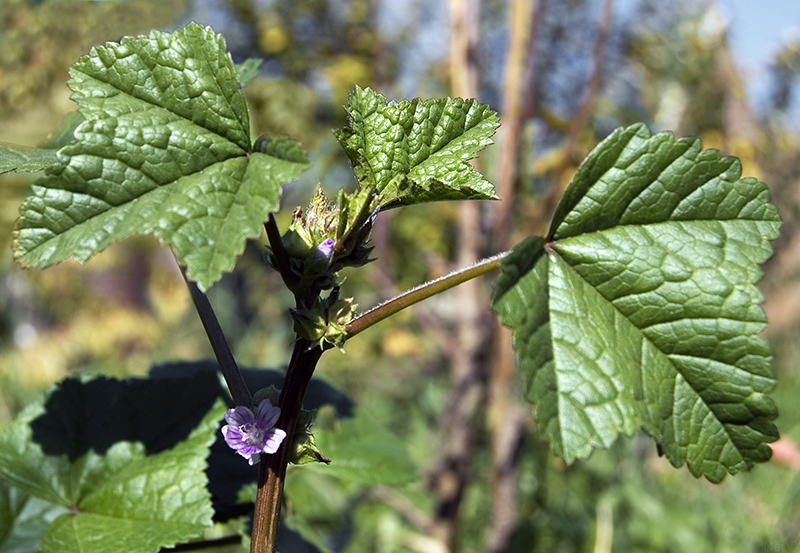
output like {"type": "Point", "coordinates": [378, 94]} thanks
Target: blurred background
{"type": "Point", "coordinates": [562, 74]}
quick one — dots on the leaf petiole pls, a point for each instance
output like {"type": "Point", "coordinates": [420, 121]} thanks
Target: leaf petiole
{"type": "Point", "coordinates": [282, 262]}
{"type": "Point", "coordinates": [422, 292]}
{"type": "Point", "coordinates": [230, 370]}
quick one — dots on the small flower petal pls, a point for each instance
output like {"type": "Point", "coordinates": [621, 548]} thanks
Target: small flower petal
{"type": "Point", "coordinates": [323, 252]}
{"type": "Point", "coordinates": [267, 415]}
{"type": "Point", "coordinates": [239, 416]}
{"type": "Point", "coordinates": [273, 440]}
{"type": "Point", "coordinates": [233, 437]}
{"type": "Point", "coordinates": [248, 451]}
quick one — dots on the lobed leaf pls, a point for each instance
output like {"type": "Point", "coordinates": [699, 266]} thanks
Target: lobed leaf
{"type": "Point", "coordinates": [165, 147]}
{"type": "Point", "coordinates": [120, 499]}
{"type": "Point", "coordinates": [639, 308]}
{"type": "Point", "coordinates": [416, 151]}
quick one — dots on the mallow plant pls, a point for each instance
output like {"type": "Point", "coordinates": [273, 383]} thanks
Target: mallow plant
{"type": "Point", "coordinates": [637, 310]}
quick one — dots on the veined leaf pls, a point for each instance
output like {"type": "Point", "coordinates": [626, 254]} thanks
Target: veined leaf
{"type": "Point", "coordinates": [166, 148]}
{"type": "Point", "coordinates": [416, 151]}
{"type": "Point", "coordinates": [640, 308]}
{"type": "Point", "coordinates": [19, 159]}
{"type": "Point", "coordinates": [121, 500]}
{"type": "Point", "coordinates": [23, 520]}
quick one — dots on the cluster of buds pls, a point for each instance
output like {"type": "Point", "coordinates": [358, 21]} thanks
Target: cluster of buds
{"type": "Point", "coordinates": [328, 237]}
{"type": "Point", "coordinates": [325, 323]}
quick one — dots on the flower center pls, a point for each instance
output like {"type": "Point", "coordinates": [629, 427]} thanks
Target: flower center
{"type": "Point", "coordinates": [252, 434]}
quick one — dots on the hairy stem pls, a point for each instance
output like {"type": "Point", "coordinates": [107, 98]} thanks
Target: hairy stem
{"type": "Point", "coordinates": [230, 370]}
{"type": "Point", "coordinates": [273, 467]}
{"type": "Point", "coordinates": [422, 292]}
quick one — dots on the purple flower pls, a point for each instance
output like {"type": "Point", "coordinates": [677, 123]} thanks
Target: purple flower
{"type": "Point", "coordinates": [323, 252]}
{"type": "Point", "coordinates": [252, 434]}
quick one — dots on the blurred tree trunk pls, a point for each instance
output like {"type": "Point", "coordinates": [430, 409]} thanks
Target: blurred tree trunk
{"type": "Point", "coordinates": [460, 421]}
{"type": "Point", "coordinates": [578, 124]}
{"type": "Point", "coordinates": [506, 420]}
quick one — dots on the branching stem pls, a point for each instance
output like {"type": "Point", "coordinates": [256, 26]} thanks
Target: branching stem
{"type": "Point", "coordinates": [301, 368]}
{"type": "Point", "coordinates": [421, 292]}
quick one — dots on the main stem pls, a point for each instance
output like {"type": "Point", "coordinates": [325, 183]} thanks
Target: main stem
{"type": "Point", "coordinates": [273, 467]}
{"type": "Point", "coordinates": [304, 360]}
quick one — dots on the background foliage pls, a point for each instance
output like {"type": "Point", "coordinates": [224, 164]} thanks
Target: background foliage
{"type": "Point", "coordinates": [448, 394]}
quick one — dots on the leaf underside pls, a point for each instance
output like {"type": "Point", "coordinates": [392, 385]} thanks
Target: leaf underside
{"type": "Point", "coordinates": [639, 309]}
{"type": "Point", "coordinates": [416, 151]}
{"type": "Point", "coordinates": [166, 148]}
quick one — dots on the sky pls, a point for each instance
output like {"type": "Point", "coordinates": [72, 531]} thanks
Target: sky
{"type": "Point", "coordinates": [757, 29]}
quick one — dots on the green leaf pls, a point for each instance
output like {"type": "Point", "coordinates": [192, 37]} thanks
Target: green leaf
{"type": "Point", "coordinates": [121, 500]}
{"type": "Point", "coordinates": [248, 69]}
{"type": "Point", "coordinates": [166, 148]}
{"type": "Point", "coordinates": [65, 134]}
{"type": "Point", "coordinates": [316, 505]}
{"type": "Point", "coordinates": [416, 151]}
{"type": "Point", "coordinates": [640, 308]}
{"type": "Point", "coordinates": [295, 535]}
{"type": "Point", "coordinates": [364, 452]}
{"type": "Point", "coordinates": [19, 159]}
{"type": "Point", "coordinates": [23, 520]}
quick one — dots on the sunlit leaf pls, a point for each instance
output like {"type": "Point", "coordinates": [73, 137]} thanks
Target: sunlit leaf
{"type": "Point", "coordinates": [23, 520]}
{"type": "Point", "coordinates": [165, 147]}
{"type": "Point", "coordinates": [416, 151]}
{"type": "Point", "coordinates": [639, 308]}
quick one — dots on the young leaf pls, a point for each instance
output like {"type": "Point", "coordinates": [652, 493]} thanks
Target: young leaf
{"type": "Point", "coordinates": [121, 500]}
{"type": "Point", "coordinates": [417, 151]}
{"type": "Point", "coordinates": [20, 159]}
{"type": "Point", "coordinates": [166, 148]}
{"type": "Point", "coordinates": [639, 308]}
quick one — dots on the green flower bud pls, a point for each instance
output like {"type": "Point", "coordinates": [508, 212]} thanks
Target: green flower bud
{"type": "Point", "coordinates": [326, 322]}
